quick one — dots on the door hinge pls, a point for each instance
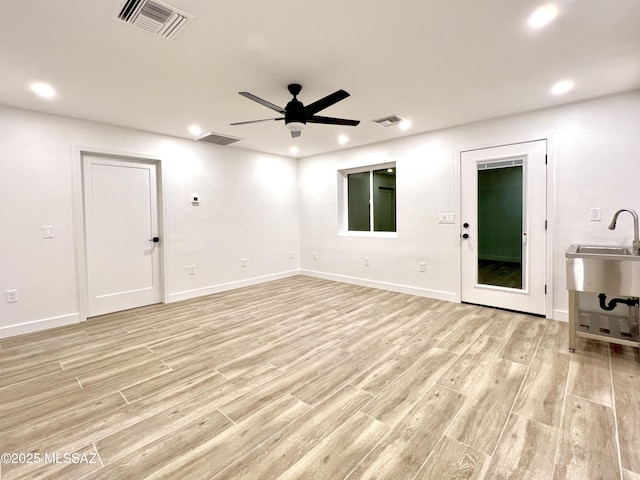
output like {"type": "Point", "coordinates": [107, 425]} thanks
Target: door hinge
{"type": "Point", "coordinates": [545, 224]}
{"type": "Point", "coordinates": [546, 158]}
{"type": "Point", "coordinates": [545, 289]}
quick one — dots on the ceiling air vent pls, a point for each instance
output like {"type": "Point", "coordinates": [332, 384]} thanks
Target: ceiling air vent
{"type": "Point", "coordinates": [155, 17]}
{"type": "Point", "coordinates": [388, 121]}
{"type": "Point", "coordinates": [217, 139]}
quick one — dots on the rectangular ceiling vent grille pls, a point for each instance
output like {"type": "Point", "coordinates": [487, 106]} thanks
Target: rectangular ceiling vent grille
{"type": "Point", "coordinates": [154, 17]}
{"type": "Point", "coordinates": [217, 139]}
{"type": "Point", "coordinates": [388, 121]}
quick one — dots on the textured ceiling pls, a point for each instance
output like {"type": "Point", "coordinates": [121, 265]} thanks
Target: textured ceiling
{"type": "Point", "coordinates": [436, 63]}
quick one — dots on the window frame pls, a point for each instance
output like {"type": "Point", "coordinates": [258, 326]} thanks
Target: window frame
{"type": "Point", "coordinates": [343, 202]}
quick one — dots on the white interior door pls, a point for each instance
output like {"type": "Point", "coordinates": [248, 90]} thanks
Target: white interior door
{"type": "Point", "coordinates": [503, 234]}
{"type": "Point", "coordinates": [121, 221]}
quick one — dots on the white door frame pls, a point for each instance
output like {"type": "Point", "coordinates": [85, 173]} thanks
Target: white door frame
{"type": "Point", "coordinates": [550, 208]}
{"type": "Point", "coordinates": [80, 250]}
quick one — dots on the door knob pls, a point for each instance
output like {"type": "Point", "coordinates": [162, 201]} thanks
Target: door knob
{"type": "Point", "coordinates": [465, 225]}
{"type": "Point", "coordinates": [465, 235]}
{"type": "Point", "coordinates": [154, 239]}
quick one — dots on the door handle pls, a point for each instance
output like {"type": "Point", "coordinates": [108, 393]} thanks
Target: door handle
{"type": "Point", "coordinates": [154, 239]}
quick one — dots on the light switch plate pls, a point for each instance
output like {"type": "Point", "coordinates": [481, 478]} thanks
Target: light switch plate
{"type": "Point", "coordinates": [446, 218]}
{"type": "Point", "coordinates": [595, 214]}
{"type": "Point", "coordinates": [47, 232]}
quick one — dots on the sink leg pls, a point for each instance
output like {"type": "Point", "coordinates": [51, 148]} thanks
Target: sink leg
{"type": "Point", "coordinates": [573, 312]}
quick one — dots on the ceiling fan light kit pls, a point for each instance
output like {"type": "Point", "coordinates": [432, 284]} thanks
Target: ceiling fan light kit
{"type": "Point", "coordinates": [296, 115]}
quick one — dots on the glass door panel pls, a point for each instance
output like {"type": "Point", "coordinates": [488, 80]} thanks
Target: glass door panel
{"type": "Point", "coordinates": [500, 224]}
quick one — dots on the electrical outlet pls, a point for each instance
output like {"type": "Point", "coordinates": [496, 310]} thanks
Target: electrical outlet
{"type": "Point", "coordinates": [243, 262]}
{"type": "Point", "coordinates": [366, 261]}
{"type": "Point", "coordinates": [192, 269]}
{"type": "Point", "coordinates": [423, 267]}
{"type": "Point", "coordinates": [315, 255]}
{"type": "Point", "coordinates": [291, 254]}
{"type": "Point", "coordinates": [11, 295]}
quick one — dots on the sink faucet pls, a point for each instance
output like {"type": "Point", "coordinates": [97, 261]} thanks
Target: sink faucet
{"type": "Point", "coordinates": [636, 238]}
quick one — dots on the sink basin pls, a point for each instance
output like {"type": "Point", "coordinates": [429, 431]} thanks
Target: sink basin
{"type": "Point", "coordinates": [603, 269]}
{"type": "Point", "coordinates": [598, 250]}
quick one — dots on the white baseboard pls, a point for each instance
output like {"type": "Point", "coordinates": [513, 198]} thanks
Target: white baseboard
{"type": "Point", "coordinates": [223, 287]}
{"type": "Point", "coordinates": [37, 325]}
{"type": "Point", "coordinates": [393, 287]}
{"type": "Point", "coordinates": [561, 315]}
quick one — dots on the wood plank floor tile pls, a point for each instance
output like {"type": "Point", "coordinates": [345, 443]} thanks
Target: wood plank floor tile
{"type": "Point", "coordinates": [340, 453]}
{"type": "Point", "coordinates": [151, 456]}
{"type": "Point", "coordinates": [173, 381]}
{"type": "Point", "coordinates": [47, 425]}
{"type": "Point", "coordinates": [328, 382]}
{"type": "Point", "coordinates": [298, 438]}
{"type": "Point", "coordinates": [410, 442]}
{"type": "Point", "coordinates": [234, 443]}
{"type": "Point", "coordinates": [244, 404]}
{"type": "Point", "coordinates": [587, 447]}
{"type": "Point", "coordinates": [627, 403]}
{"type": "Point", "coordinates": [590, 378]}
{"type": "Point", "coordinates": [503, 324]}
{"type": "Point", "coordinates": [556, 336]}
{"type": "Point", "coordinates": [29, 373]}
{"type": "Point", "coordinates": [469, 369]}
{"type": "Point", "coordinates": [136, 436]}
{"type": "Point", "coordinates": [466, 334]}
{"type": "Point", "coordinates": [526, 451]}
{"type": "Point", "coordinates": [393, 403]}
{"type": "Point", "coordinates": [524, 340]}
{"type": "Point", "coordinates": [628, 475]}
{"type": "Point", "coordinates": [388, 368]}
{"type": "Point", "coordinates": [542, 394]}
{"type": "Point", "coordinates": [481, 420]}
{"type": "Point", "coordinates": [455, 461]}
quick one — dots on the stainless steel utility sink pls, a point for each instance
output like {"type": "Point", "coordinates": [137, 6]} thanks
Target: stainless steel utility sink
{"type": "Point", "coordinates": [595, 268]}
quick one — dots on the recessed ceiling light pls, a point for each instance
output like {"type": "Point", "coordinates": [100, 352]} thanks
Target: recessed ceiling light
{"type": "Point", "coordinates": [42, 89]}
{"type": "Point", "coordinates": [342, 139]}
{"type": "Point", "coordinates": [293, 150]}
{"type": "Point", "coordinates": [542, 16]}
{"type": "Point", "coordinates": [562, 86]}
{"type": "Point", "coordinates": [405, 125]}
{"type": "Point", "coordinates": [195, 130]}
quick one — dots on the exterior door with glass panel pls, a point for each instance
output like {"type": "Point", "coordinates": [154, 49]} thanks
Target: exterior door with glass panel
{"type": "Point", "coordinates": [503, 226]}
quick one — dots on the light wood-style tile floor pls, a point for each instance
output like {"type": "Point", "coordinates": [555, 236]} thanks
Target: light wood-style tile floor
{"type": "Point", "coordinates": [311, 379]}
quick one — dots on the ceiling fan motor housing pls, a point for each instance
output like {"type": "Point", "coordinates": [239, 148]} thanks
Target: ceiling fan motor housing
{"type": "Point", "coordinates": [295, 112]}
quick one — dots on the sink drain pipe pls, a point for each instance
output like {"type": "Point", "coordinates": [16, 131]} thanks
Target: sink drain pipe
{"type": "Point", "coordinates": [629, 302]}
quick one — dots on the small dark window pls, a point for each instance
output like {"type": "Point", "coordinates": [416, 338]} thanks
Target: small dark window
{"type": "Point", "coordinates": [372, 200]}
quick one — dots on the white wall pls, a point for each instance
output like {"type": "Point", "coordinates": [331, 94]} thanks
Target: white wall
{"type": "Point", "coordinates": [594, 162]}
{"type": "Point", "coordinates": [248, 209]}
{"type": "Point", "coordinates": [260, 207]}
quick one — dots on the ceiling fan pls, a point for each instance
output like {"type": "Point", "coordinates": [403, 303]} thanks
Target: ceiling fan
{"type": "Point", "coordinates": [296, 115]}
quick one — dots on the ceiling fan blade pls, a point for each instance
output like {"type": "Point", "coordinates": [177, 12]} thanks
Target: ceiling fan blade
{"type": "Point", "coordinates": [325, 102]}
{"type": "Point", "coordinates": [295, 133]}
{"type": "Point", "coordinates": [259, 100]}
{"type": "Point", "coordinates": [257, 121]}
{"type": "Point", "coordinates": [332, 121]}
